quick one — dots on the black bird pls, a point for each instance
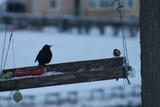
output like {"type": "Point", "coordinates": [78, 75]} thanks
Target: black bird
{"type": "Point", "coordinates": [116, 53]}
{"type": "Point", "coordinates": [44, 56]}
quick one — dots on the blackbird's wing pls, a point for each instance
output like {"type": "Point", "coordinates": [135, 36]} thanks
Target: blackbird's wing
{"type": "Point", "coordinates": [44, 56]}
{"type": "Point", "coordinates": [39, 55]}
{"type": "Point", "coordinates": [49, 56]}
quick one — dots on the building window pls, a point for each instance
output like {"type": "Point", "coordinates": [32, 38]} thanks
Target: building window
{"type": "Point", "coordinates": [93, 4]}
{"type": "Point", "coordinates": [54, 4]}
{"type": "Point", "coordinates": [129, 3]}
{"type": "Point", "coordinates": [107, 4]}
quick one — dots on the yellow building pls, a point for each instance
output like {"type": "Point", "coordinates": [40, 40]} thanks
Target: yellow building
{"type": "Point", "coordinates": [91, 8]}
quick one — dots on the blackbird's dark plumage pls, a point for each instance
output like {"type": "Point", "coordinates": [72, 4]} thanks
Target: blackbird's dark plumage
{"type": "Point", "coordinates": [116, 53]}
{"type": "Point", "coordinates": [44, 56]}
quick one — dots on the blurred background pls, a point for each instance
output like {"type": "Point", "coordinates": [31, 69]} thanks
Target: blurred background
{"type": "Point", "coordinates": [78, 30]}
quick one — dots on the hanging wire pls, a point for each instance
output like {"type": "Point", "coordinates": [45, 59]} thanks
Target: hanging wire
{"type": "Point", "coordinates": [130, 7]}
{"type": "Point", "coordinates": [7, 51]}
{"type": "Point", "coordinates": [4, 42]}
{"type": "Point", "coordinates": [10, 40]}
{"type": "Point", "coordinates": [123, 33]}
{"type": "Point", "coordinates": [14, 62]}
{"type": "Point", "coordinates": [125, 51]}
{"type": "Point", "coordinates": [123, 39]}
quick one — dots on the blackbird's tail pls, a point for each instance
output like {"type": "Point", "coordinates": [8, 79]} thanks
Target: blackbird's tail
{"type": "Point", "coordinates": [35, 60]}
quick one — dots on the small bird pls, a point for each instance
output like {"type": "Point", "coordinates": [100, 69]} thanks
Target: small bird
{"type": "Point", "coordinates": [116, 53]}
{"type": "Point", "coordinates": [44, 56]}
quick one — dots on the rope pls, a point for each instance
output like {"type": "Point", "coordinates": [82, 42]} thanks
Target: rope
{"type": "Point", "coordinates": [14, 62]}
{"type": "Point", "coordinates": [125, 51]}
{"type": "Point", "coordinates": [7, 51]}
{"type": "Point", "coordinates": [123, 33]}
{"type": "Point", "coordinates": [4, 42]}
{"type": "Point", "coordinates": [10, 40]}
{"type": "Point", "coordinates": [123, 40]}
{"type": "Point", "coordinates": [129, 9]}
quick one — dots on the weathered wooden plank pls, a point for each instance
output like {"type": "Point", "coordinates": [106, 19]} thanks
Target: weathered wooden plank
{"type": "Point", "coordinates": [74, 72]}
{"type": "Point", "coordinates": [80, 66]}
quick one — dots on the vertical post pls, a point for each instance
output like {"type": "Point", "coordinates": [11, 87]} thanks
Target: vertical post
{"type": "Point", "coordinates": [150, 52]}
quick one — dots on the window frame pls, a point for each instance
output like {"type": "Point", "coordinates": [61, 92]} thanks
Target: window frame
{"type": "Point", "coordinates": [109, 5]}
{"type": "Point", "coordinates": [57, 5]}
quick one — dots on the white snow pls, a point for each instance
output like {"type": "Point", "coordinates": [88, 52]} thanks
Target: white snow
{"type": "Point", "coordinates": [68, 47]}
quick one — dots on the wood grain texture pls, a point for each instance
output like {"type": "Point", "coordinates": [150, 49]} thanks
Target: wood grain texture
{"type": "Point", "coordinates": [74, 72]}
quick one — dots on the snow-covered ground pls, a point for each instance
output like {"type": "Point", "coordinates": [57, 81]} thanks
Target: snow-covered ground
{"type": "Point", "coordinates": [68, 47]}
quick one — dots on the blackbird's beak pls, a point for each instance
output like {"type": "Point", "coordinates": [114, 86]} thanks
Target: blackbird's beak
{"type": "Point", "coordinates": [50, 45]}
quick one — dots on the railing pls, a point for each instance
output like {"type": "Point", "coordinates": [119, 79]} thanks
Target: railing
{"type": "Point", "coordinates": [66, 23]}
{"type": "Point", "coordinates": [99, 97]}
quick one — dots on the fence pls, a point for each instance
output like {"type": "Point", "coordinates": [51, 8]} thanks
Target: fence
{"type": "Point", "coordinates": [66, 23]}
{"type": "Point", "coordinates": [99, 97]}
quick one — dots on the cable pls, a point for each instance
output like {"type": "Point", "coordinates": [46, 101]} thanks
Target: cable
{"type": "Point", "coordinates": [10, 40]}
{"type": "Point", "coordinates": [124, 41]}
{"type": "Point", "coordinates": [7, 51]}
{"type": "Point", "coordinates": [12, 36]}
{"type": "Point", "coordinates": [125, 51]}
{"type": "Point", "coordinates": [14, 61]}
{"type": "Point", "coordinates": [4, 42]}
{"type": "Point", "coordinates": [123, 33]}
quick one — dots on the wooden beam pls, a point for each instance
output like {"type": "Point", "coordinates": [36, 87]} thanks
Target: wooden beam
{"type": "Point", "coordinates": [73, 72]}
